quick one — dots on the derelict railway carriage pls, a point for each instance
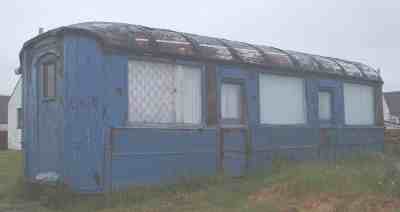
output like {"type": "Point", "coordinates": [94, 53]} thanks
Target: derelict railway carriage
{"type": "Point", "coordinates": [108, 105]}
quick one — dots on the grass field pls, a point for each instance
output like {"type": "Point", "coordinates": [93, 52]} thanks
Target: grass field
{"type": "Point", "coordinates": [365, 183]}
{"type": "Point", "coordinates": [10, 169]}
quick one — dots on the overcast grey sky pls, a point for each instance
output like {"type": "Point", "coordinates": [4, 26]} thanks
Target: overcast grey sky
{"type": "Point", "coordinates": [362, 30]}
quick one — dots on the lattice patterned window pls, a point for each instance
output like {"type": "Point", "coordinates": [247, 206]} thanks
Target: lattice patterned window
{"type": "Point", "coordinates": [164, 93]}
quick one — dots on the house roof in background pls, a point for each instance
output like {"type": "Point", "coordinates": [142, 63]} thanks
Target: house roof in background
{"type": "Point", "coordinates": [16, 86]}
{"type": "Point", "coordinates": [155, 41]}
{"type": "Point", "coordinates": [393, 102]}
{"type": "Point", "coordinates": [4, 109]}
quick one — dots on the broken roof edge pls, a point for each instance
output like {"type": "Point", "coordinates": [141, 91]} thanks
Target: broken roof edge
{"type": "Point", "coordinates": [103, 31]}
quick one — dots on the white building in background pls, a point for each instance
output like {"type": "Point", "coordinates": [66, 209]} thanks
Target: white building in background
{"type": "Point", "coordinates": [391, 109]}
{"type": "Point", "coordinates": [3, 121]}
{"type": "Point", "coordinates": [386, 112]}
{"type": "Point", "coordinates": [15, 117]}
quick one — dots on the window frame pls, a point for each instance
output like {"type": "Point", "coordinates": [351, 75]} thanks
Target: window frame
{"type": "Point", "coordinates": [44, 78]}
{"type": "Point", "coordinates": [374, 106]}
{"type": "Point", "coordinates": [172, 125]}
{"type": "Point", "coordinates": [305, 95]}
{"type": "Point", "coordinates": [242, 103]}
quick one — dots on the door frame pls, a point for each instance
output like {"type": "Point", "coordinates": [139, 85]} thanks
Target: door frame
{"type": "Point", "coordinates": [329, 129]}
{"type": "Point", "coordinates": [231, 75]}
{"type": "Point", "coordinates": [46, 57]}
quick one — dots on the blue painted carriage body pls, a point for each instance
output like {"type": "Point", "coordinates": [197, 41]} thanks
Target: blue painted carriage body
{"type": "Point", "coordinates": [98, 151]}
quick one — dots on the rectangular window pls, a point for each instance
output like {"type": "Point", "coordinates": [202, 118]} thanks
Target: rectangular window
{"type": "Point", "coordinates": [282, 100]}
{"type": "Point", "coordinates": [19, 118]}
{"type": "Point", "coordinates": [49, 80]}
{"type": "Point", "coordinates": [231, 101]}
{"type": "Point", "coordinates": [164, 93]}
{"type": "Point", "coordinates": [359, 104]}
{"type": "Point", "coordinates": [325, 106]}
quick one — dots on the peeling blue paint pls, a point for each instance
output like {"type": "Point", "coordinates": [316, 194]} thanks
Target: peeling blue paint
{"type": "Point", "coordinates": [99, 152]}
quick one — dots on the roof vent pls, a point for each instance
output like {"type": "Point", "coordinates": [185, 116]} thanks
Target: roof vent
{"type": "Point", "coordinates": [41, 30]}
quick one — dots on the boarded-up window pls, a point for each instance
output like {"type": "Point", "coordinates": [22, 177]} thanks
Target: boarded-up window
{"type": "Point", "coordinates": [49, 80]}
{"type": "Point", "coordinates": [282, 100]}
{"type": "Point", "coordinates": [231, 101]}
{"type": "Point", "coordinates": [19, 118]}
{"type": "Point", "coordinates": [163, 93]}
{"type": "Point", "coordinates": [325, 106]}
{"type": "Point", "coordinates": [359, 104]}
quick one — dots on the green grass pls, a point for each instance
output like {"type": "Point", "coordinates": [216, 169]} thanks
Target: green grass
{"type": "Point", "coordinates": [10, 170]}
{"type": "Point", "coordinates": [364, 183]}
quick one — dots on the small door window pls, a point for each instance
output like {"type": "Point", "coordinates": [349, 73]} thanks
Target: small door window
{"type": "Point", "coordinates": [49, 80]}
{"type": "Point", "coordinates": [231, 102]}
{"type": "Point", "coordinates": [325, 105]}
{"type": "Point", "coordinates": [19, 118]}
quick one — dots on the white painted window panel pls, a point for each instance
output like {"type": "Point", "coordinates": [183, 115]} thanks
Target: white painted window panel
{"type": "Point", "coordinates": [188, 97]}
{"type": "Point", "coordinates": [161, 93]}
{"type": "Point", "coordinates": [282, 100]}
{"type": "Point", "coordinates": [230, 101]}
{"type": "Point", "coordinates": [325, 105]}
{"type": "Point", "coordinates": [359, 104]}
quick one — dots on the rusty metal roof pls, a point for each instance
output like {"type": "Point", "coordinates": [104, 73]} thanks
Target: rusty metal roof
{"type": "Point", "coordinates": [163, 41]}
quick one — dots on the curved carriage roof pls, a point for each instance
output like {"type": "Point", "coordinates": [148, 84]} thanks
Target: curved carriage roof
{"type": "Point", "coordinates": [163, 41]}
